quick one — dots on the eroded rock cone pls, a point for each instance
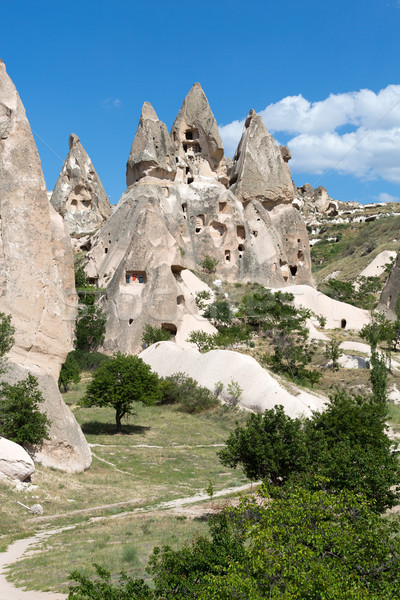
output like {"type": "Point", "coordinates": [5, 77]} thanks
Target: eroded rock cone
{"type": "Point", "coordinates": [153, 153]}
{"type": "Point", "coordinates": [36, 278]}
{"type": "Point", "coordinates": [79, 196]}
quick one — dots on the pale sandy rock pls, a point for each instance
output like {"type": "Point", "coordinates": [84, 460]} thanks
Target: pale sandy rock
{"type": "Point", "coordinates": [79, 196]}
{"type": "Point", "coordinates": [394, 394]}
{"type": "Point", "coordinates": [152, 153]}
{"type": "Point", "coordinates": [197, 138]}
{"type": "Point", "coordinates": [260, 389]}
{"type": "Point", "coordinates": [36, 266]}
{"type": "Point", "coordinates": [339, 315]}
{"type": "Point", "coordinates": [378, 265]}
{"type": "Point", "coordinates": [164, 226]}
{"type": "Point", "coordinates": [356, 347]}
{"type": "Point", "coordinates": [15, 462]}
{"type": "Point", "coordinates": [314, 333]}
{"type": "Point", "coordinates": [259, 171]}
{"type": "Point", "coordinates": [390, 293]}
{"type": "Point", "coordinates": [317, 200]}
{"type": "Point", "coordinates": [348, 361]}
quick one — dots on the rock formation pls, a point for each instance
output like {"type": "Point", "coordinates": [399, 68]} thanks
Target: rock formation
{"type": "Point", "coordinates": [310, 200]}
{"type": "Point", "coordinates": [259, 171]}
{"type": "Point", "coordinates": [390, 293]}
{"type": "Point", "coordinates": [180, 207]}
{"type": "Point", "coordinates": [79, 196]}
{"type": "Point", "coordinates": [259, 389]}
{"type": "Point", "coordinates": [15, 462]}
{"type": "Point", "coordinates": [36, 277]}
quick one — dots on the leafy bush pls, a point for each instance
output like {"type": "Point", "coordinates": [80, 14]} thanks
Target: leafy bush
{"type": "Point", "coordinates": [185, 391]}
{"type": "Point", "coordinates": [20, 418]}
{"type": "Point", "coordinates": [152, 335]}
{"type": "Point", "coordinates": [209, 264]}
{"type": "Point", "coordinates": [70, 373]}
{"type": "Point", "coordinates": [90, 328]}
{"type": "Point", "coordinates": [89, 361]}
{"type": "Point", "coordinates": [346, 445]}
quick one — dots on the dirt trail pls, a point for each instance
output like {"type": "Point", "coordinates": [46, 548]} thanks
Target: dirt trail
{"type": "Point", "coordinates": [13, 554]}
{"type": "Point", "coordinates": [18, 550]}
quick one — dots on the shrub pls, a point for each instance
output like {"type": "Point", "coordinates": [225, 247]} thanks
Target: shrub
{"type": "Point", "coordinates": [209, 264]}
{"type": "Point", "coordinates": [185, 391]}
{"type": "Point", "coordinates": [70, 373]}
{"type": "Point", "coordinates": [90, 328]}
{"type": "Point", "coordinates": [89, 361]}
{"type": "Point", "coordinates": [20, 418]}
{"type": "Point", "coordinates": [152, 335]}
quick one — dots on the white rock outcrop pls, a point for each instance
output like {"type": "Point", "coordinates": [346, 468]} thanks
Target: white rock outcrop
{"type": "Point", "coordinates": [338, 315]}
{"type": "Point", "coordinates": [15, 462]}
{"type": "Point", "coordinates": [259, 389]}
{"type": "Point", "coordinates": [180, 207]}
{"type": "Point", "coordinates": [36, 275]}
{"type": "Point", "coordinates": [79, 196]}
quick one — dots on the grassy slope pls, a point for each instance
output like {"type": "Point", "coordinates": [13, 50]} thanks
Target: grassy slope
{"type": "Point", "coordinates": [357, 247]}
{"type": "Point", "coordinates": [142, 477]}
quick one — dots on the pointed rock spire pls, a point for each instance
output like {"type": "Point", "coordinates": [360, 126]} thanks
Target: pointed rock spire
{"type": "Point", "coordinates": [79, 195]}
{"type": "Point", "coordinates": [152, 153]}
{"type": "Point", "coordinates": [260, 168]}
{"type": "Point", "coordinates": [195, 132]}
{"type": "Point", "coordinates": [36, 279]}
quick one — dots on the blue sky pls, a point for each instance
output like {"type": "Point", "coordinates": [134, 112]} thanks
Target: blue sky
{"type": "Point", "coordinates": [324, 75]}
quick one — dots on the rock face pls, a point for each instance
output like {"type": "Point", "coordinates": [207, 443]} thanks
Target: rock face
{"type": "Point", "coordinates": [179, 208]}
{"type": "Point", "coordinates": [15, 462]}
{"type": "Point", "coordinates": [259, 389]}
{"type": "Point", "coordinates": [390, 293]}
{"type": "Point", "coordinates": [259, 171]}
{"type": "Point", "coordinates": [36, 273]}
{"type": "Point", "coordinates": [79, 196]}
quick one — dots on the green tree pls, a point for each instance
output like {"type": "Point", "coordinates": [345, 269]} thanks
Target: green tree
{"type": "Point", "coordinates": [104, 587]}
{"type": "Point", "coordinates": [209, 264]}
{"type": "Point", "coordinates": [333, 353]}
{"type": "Point", "coordinates": [20, 418]}
{"type": "Point", "coordinates": [285, 327]}
{"type": "Point", "coordinates": [219, 313]}
{"type": "Point", "coordinates": [90, 328]}
{"type": "Point", "coordinates": [152, 335]}
{"type": "Point", "coordinates": [309, 545]}
{"type": "Point", "coordinates": [70, 373]}
{"type": "Point", "coordinates": [120, 382]}
{"type": "Point", "coordinates": [269, 447]}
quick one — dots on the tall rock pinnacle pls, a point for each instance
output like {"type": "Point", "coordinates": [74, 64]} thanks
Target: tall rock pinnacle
{"type": "Point", "coordinates": [79, 196]}
{"type": "Point", "coordinates": [196, 135]}
{"type": "Point", "coordinates": [36, 278]}
{"type": "Point", "coordinates": [259, 170]}
{"type": "Point", "coordinates": [152, 153]}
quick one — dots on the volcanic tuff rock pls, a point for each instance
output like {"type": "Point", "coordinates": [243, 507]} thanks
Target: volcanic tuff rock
{"type": "Point", "coordinates": [15, 462]}
{"type": "Point", "coordinates": [179, 208]}
{"type": "Point", "coordinates": [36, 274]}
{"type": "Point", "coordinates": [390, 293]}
{"type": "Point", "coordinates": [79, 196]}
{"type": "Point", "coordinates": [259, 170]}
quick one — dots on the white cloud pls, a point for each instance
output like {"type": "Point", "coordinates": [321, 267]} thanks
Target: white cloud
{"type": "Point", "coordinates": [111, 103]}
{"type": "Point", "coordinates": [384, 197]}
{"type": "Point", "coordinates": [368, 148]}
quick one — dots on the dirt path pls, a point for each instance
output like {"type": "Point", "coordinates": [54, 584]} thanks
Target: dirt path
{"type": "Point", "coordinates": [21, 548]}
{"type": "Point", "coordinates": [13, 554]}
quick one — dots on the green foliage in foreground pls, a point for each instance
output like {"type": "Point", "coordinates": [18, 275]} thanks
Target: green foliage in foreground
{"type": "Point", "coordinates": [346, 445]}
{"type": "Point", "coordinates": [20, 418]}
{"type": "Point", "coordinates": [300, 545]}
{"type": "Point", "coordinates": [120, 382]}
